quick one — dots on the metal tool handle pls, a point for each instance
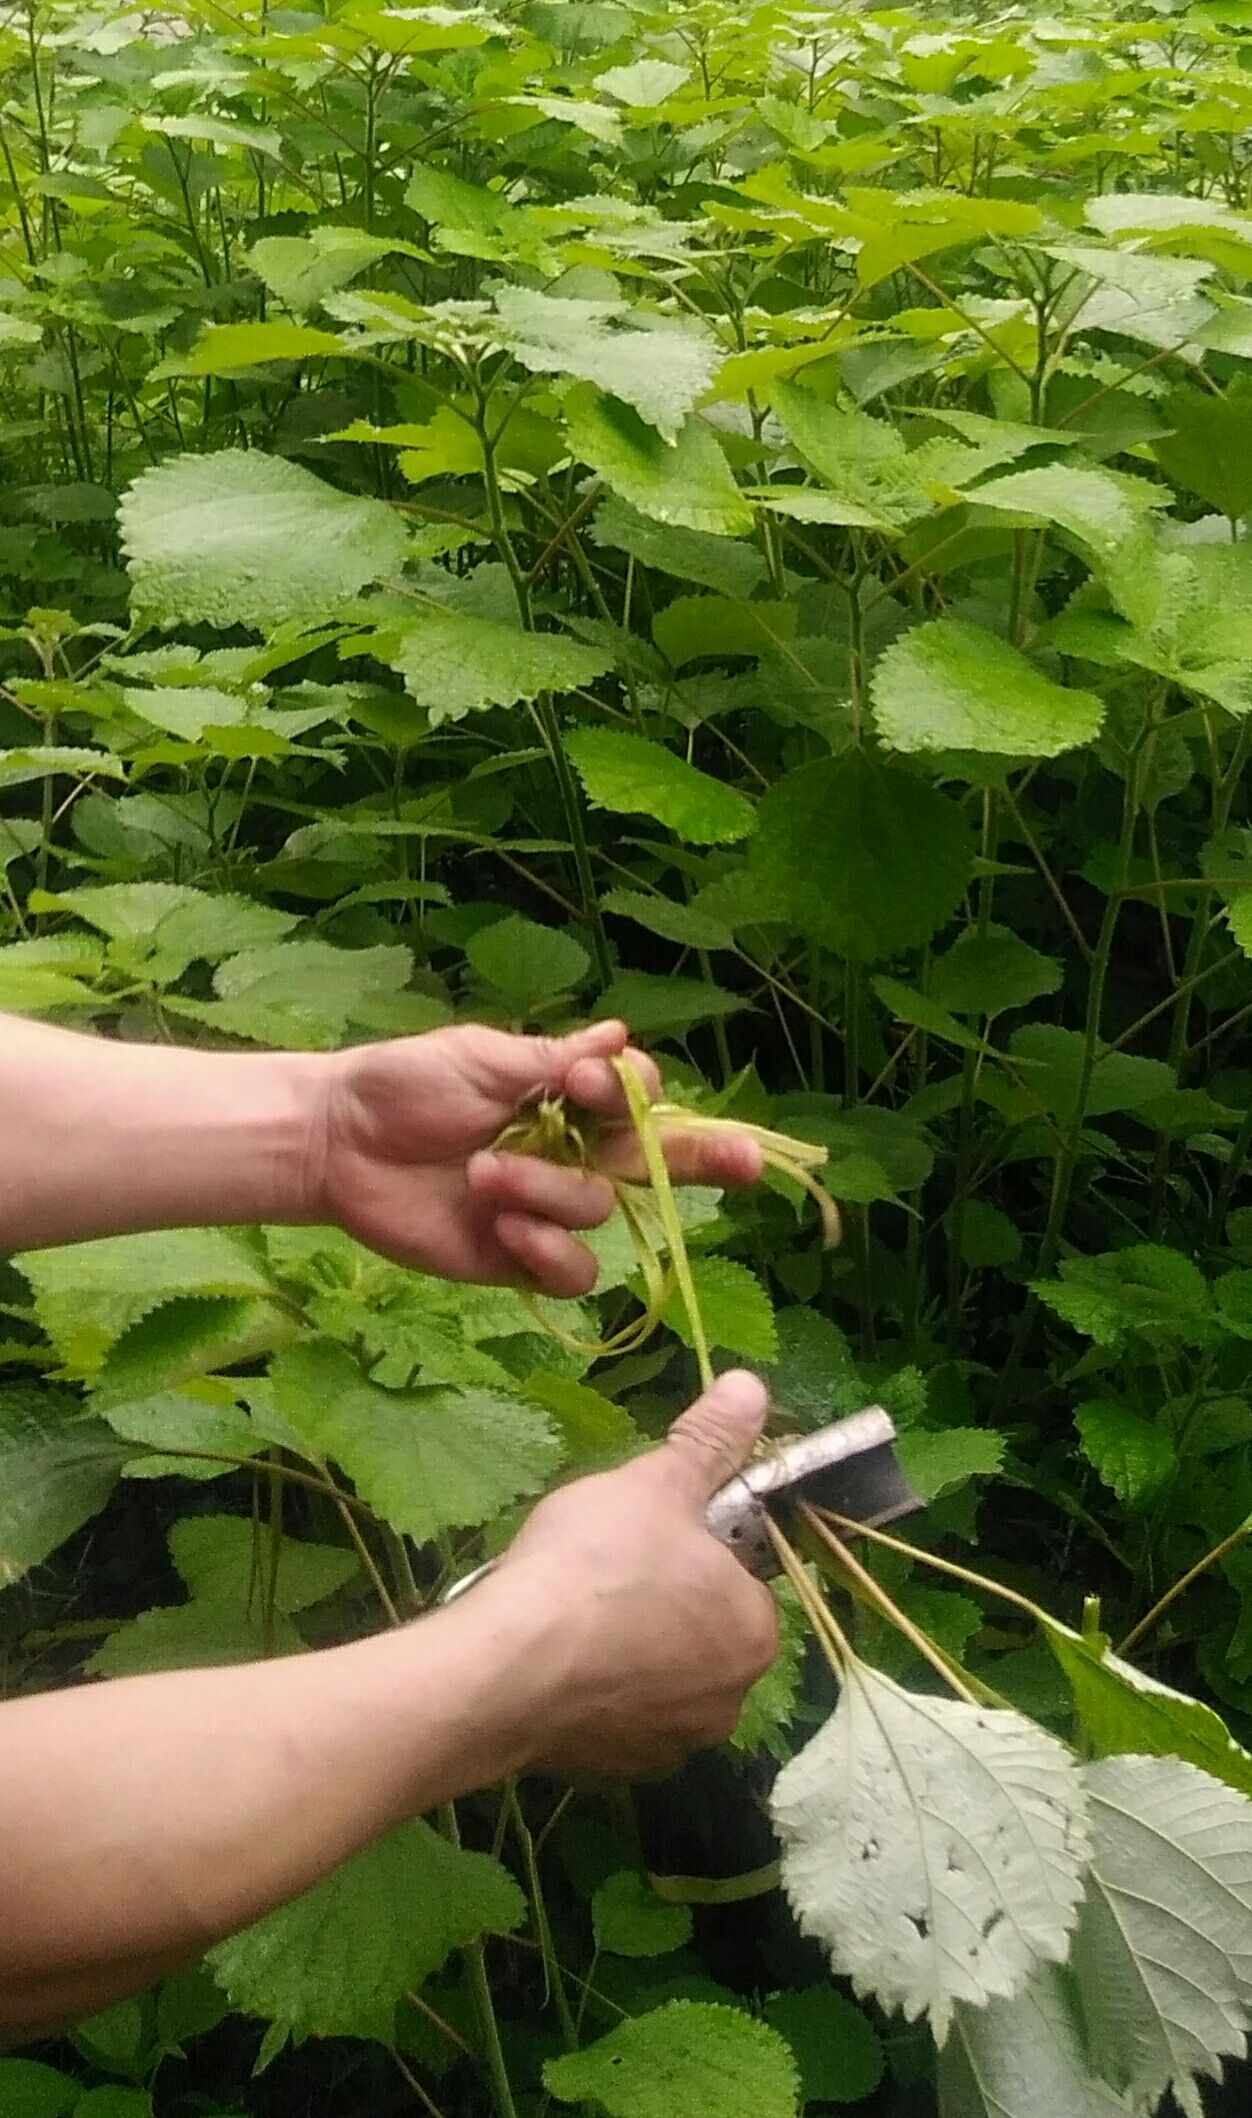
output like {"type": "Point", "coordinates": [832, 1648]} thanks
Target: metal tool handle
{"type": "Point", "coordinates": [850, 1467]}
{"type": "Point", "coordinates": [467, 1581]}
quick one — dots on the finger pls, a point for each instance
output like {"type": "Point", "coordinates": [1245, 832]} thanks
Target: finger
{"type": "Point", "coordinates": [714, 1438]}
{"type": "Point", "coordinates": [596, 1085]}
{"type": "Point", "coordinates": [522, 1066]}
{"type": "Point", "coordinates": [551, 1260]}
{"type": "Point", "coordinates": [691, 1158]}
{"type": "Point", "coordinates": [526, 1184]}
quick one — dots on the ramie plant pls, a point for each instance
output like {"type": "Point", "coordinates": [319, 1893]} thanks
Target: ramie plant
{"type": "Point", "coordinates": [732, 516]}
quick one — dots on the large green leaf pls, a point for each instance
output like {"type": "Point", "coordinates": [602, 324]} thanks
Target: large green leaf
{"type": "Point", "coordinates": [253, 540]}
{"type": "Point", "coordinates": [685, 925]}
{"type": "Point", "coordinates": [720, 626]}
{"type": "Point", "coordinates": [814, 1377]}
{"type": "Point", "coordinates": [244, 1591]}
{"type": "Point", "coordinates": [1162, 1957]}
{"type": "Point", "coordinates": [303, 992]}
{"type": "Point", "coordinates": [1209, 448]}
{"type": "Point", "coordinates": [338, 1961]}
{"type": "Point", "coordinates": [1139, 295]}
{"type": "Point", "coordinates": [426, 1461]}
{"type": "Point", "coordinates": [737, 1312]}
{"type": "Point", "coordinates": [689, 2057]}
{"type": "Point", "coordinates": [869, 479]}
{"type": "Point", "coordinates": [1144, 1291]}
{"type": "Point", "coordinates": [217, 1556]}
{"type": "Point", "coordinates": [1121, 1709]}
{"type": "Point", "coordinates": [38, 761]}
{"type": "Point", "coordinates": [938, 1459]}
{"type": "Point", "coordinates": [230, 349]}
{"type": "Point", "coordinates": [839, 2054]}
{"type": "Point", "coordinates": [1100, 510]}
{"type": "Point", "coordinates": [447, 201]}
{"type": "Point", "coordinates": [644, 85]}
{"type": "Point", "coordinates": [88, 1294]}
{"type": "Point", "coordinates": [29, 2089]}
{"type": "Point", "coordinates": [688, 554]}
{"type": "Point", "coordinates": [185, 1337]}
{"type": "Point", "coordinates": [202, 1415]}
{"type": "Point", "coordinates": [988, 969]}
{"type": "Point", "coordinates": [862, 859]}
{"type": "Point", "coordinates": [221, 719]}
{"type": "Point", "coordinates": [300, 269]}
{"type": "Point", "coordinates": [686, 482]}
{"type": "Point", "coordinates": [658, 1006]}
{"type": "Point", "coordinates": [954, 686]}
{"type": "Point", "coordinates": [655, 364]}
{"type": "Point", "coordinates": [633, 775]}
{"type": "Point", "coordinates": [456, 662]}
{"type": "Point", "coordinates": [935, 1849]}
{"type": "Point", "coordinates": [202, 1634]}
{"type": "Point", "coordinates": [629, 1919]}
{"type": "Point", "coordinates": [57, 1470]}
{"type": "Point", "coordinates": [171, 925]}
{"type": "Point", "coordinates": [526, 961]}
{"type": "Point", "coordinates": [1127, 1451]}
{"type": "Point", "coordinates": [1052, 1064]}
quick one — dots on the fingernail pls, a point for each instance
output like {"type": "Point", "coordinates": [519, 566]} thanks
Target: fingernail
{"type": "Point", "coordinates": [741, 1393]}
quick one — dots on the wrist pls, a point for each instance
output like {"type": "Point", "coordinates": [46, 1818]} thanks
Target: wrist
{"type": "Point", "coordinates": [466, 1697]}
{"type": "Point", "coordinates": [255, 1135]}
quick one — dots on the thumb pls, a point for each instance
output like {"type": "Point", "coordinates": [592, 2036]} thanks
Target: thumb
{"type": "Point", "coordinates": [715, 1437]}
{"type": "Point", "coordinates": [523, 1065]}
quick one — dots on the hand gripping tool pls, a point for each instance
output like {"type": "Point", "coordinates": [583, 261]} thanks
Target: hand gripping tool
{"type": "Point", "coordinates": [850, 1467]}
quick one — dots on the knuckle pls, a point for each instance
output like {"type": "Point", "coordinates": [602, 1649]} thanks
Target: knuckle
{"type": "Point", "coordinates": [722, 1722]}
{"type": "Point", "coordinates": [703, 1432]}
{"type": "Point", "coordinates": [762, 1638]}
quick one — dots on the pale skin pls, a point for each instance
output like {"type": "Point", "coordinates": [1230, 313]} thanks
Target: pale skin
{"type": "Point", "coordinates": [146, 1818]}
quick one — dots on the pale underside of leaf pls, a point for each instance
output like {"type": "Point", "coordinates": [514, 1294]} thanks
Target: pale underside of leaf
{"type": "Point", "coordinates": [1023, 2058]}
{"type": "Point", "coordinates": [935, 1848]}
{"type": "Point", "coordinates": [1163, 1951]}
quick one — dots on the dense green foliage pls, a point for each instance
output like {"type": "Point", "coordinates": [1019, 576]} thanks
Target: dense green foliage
{"type": "Point", "coordinates": [733, 516]}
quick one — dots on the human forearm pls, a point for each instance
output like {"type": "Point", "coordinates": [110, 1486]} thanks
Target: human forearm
{"type": "Point", "coordinates": [145, 1819]}
{"type": "Point", "coordinates": [102, 1138]}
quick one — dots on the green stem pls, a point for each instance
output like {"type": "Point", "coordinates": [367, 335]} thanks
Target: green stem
{"type": "Point", "coordinates": [572, 806]}
{"type": "Point", "coordinates": [1234, 1169]}
{"type": "Point", "coordinates": [1225, 786]}
{"type": "Point", "coordinates": [969, 1083]}
{"type": "Point", "coordinates": [189, 211]}
{"type": "Point", "coordinates": [408, 1596]}
{"type": "Point", "coordinates": [1067, 1155]}
{"type": "Point", "coordinates": [546, 715]}
{"type": "Point", "coordinates": [1202, 1566]}
{"type": "Point", "coordinates": [11, 170]}
{"type": "Point", "coordinates": [543, 1926]}
{"type": "Point", "coordinates": [480, 1994]}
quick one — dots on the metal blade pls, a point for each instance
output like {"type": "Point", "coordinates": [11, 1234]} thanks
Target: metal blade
{"type": "Point", "coordinates": [850, 1467]}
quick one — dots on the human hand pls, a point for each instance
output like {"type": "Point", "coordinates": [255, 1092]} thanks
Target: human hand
{"type": "Point", "coordinates": [655, 1632]}
{"type": "Point", "coordinates": [402, 1153]}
